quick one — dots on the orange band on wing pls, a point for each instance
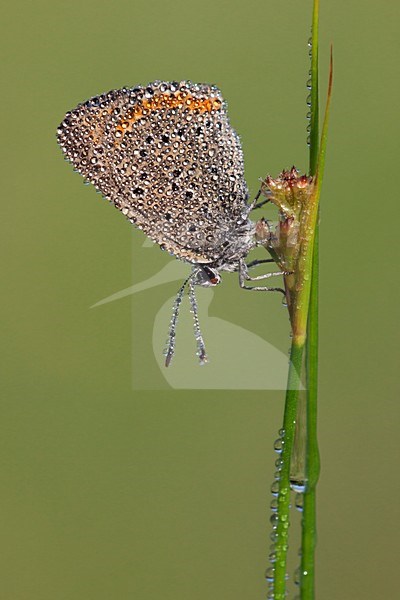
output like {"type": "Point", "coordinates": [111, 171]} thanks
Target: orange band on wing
{"type": "Point", "coordinates": [183, 100]}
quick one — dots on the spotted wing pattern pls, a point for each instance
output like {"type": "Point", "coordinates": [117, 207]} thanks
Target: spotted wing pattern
{"type": "Point", "coordinates": [167, 157]}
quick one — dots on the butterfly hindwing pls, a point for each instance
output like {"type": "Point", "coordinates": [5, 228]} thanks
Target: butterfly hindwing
{"type": "Point", "coordinates": [167, 157]}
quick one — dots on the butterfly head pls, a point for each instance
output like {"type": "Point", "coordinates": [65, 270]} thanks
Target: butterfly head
{"type": "Point", "coordinates": [207, 276]}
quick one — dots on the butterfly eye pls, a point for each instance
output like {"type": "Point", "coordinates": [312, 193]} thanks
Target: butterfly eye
{"type": "Point", "coordinates": [212, 275]}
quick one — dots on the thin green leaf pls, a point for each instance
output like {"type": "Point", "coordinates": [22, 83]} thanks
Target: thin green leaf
{"type": "Point", "coordinates": [314, 109]}
{"type": "Point", "coordinates": [324, 135]}
{"type": "Point", "coordinates": [309, 528]}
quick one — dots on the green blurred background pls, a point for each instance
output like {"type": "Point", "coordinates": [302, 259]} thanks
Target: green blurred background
{"type": "Point", "coordinates": [108, 491]}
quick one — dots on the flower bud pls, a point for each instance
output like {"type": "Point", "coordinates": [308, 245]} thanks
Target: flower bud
{"type": "Point", "coordinates": [290, 192]}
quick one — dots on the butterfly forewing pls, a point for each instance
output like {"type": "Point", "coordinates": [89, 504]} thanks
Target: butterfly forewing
{"type": "Point", "coordinates": [168, 158]}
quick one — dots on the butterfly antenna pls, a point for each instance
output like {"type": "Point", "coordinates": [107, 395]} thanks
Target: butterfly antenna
{"type": "Point", "coordinates": [170, 350]}
{"type": "Point", "coordinates": [201, 349]}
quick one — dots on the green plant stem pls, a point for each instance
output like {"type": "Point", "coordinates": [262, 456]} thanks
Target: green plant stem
{"type": "Point", "coordinates": [289, 422]}
{"type": "Point", "coordinates": [304, 319]}
{"type": "Point", "coordinates": [314, 109]}
{"type": "Point", "coordinates": [308, 542]}
{"type": "Point", "coordinates": [299, 330]}
{"type": "Point", "coordinates": [312, 462]}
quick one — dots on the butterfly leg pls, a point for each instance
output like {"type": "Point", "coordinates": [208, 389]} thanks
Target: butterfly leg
{"type": "Point", "coordinates": [244, 276]}
{"type": "Point", "coordinates": [260, 204]}
{"type": "Point", "coordinates": [256, 262]}
{"type": "Point", "coordinates": [254, 204]}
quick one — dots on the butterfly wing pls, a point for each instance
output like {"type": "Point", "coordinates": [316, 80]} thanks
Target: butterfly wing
{"type": "Point", "coordinates": [167, 157]}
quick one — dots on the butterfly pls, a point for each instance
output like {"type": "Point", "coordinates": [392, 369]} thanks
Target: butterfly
{"type": "Point", "coordinates": [168, 158]}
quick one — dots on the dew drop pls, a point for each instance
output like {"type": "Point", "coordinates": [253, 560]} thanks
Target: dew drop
{"type": "Point", "coordinates": [274, 521]}
{"type": "Point", "coordinates": [275, 488]}
{"type": "Point", "coordinates": [278, 445]}
{"type": "Point", "coordinates": [274, 505]}
{"type": "Point", "coordinates": [298, 485]}
{"type": "Point", "coordinates": [269, 574]}
{"type": "Point", "coordinates": [299, 502]}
